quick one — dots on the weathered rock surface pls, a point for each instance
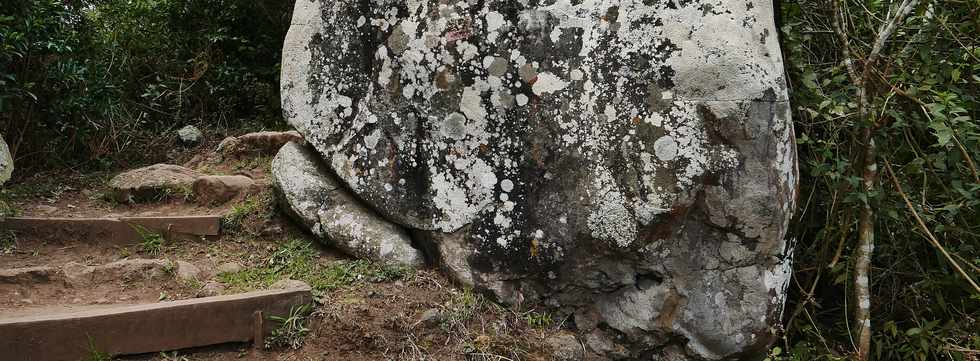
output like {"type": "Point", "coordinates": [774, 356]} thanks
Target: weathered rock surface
{"type": "Point", "coordinates": [190, 135]}
{"type": "Point", "coordinates": [27, 275]}
{"type": "Point", "coordinates": [6, 162]}
{"type": "Point", "coordinates": [631, 163]}
{"type": "Point", "coordinates": [316, 200]}
{"type": "Point", "coordinates": [221, 189]}
{"type": "Point", "coordinates": [259, 142]}
{"type": "Point", "coordinates": [153, 182]}
{"type": "Point", "coordinates": [80, 275]}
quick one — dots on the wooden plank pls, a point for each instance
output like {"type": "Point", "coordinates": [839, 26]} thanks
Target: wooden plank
{"type": "Point", "coordinates": [146, 328]}
{"type": "Point", "coordinates": [113, 230]}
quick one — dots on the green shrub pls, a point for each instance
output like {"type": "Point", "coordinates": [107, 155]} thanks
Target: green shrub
{"type": "Point", "coordinates": [923, 97]}
{"type": "Point", "coordinates": [98, 81]}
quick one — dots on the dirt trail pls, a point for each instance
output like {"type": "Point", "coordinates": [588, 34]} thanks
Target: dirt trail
{"type": "Point", "coordinates": [363, 311]}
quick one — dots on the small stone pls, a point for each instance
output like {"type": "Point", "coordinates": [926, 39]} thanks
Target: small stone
{"type": "Point", "coordinates": [125, 298]}
{"type": "Point", "coordinates": [45, 210]}
{"type": "Point", "coordinates": [102, 301]}
{"type": "Point", "coordinates": [565, 347]}
{"type": "Point", "coordinates": [272, 229]}
{"type": "Point", "coordinates": [221, 189]}
{"type": "Point", "coordinates": [212, 288]}
{"type": "Point", "coordinates": [260, 142]}
{"type": "Point", "coordinates": [230, 267]}
{"type": "Point", "coordinates": [431, 317]}
{"type": "Point", "coordinates": [187, 271]}
{"type": "Point", "coordinates": [76, 300]}
{"type": "Point", "coordinates": [190, 135]}
{"type": "Point", "coordinates": [27, 301]}
{"type": "Point", "coordinates": [289, 284]}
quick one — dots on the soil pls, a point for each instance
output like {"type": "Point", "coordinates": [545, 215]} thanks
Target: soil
{"type": "Point", "coordinates": [365, 321]}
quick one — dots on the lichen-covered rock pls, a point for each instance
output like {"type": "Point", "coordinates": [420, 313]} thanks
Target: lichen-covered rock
{"type": "Point", "coordinates": [190, 135]}
{"type": "Point", "coordinates": [630, 162]}
{"type": "Point", "coordinates": [6, 162]}
{"type": "Point", "coordinates": [153, 183]}
{"type": "Point", "coordinates": [313, 197]}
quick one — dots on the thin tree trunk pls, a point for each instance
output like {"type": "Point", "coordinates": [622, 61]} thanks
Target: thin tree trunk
{"type": "Point", "coordinates": [869, 168]}
{"type": "Point", "coordinates": [866, 245]}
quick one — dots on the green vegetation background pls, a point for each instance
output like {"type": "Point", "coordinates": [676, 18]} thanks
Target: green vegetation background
{"type": "Point", "coordinates": [102, 84]}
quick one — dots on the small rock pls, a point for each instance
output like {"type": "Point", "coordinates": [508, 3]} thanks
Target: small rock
{"type": "Point", "coordinates": [45, 210]}
{"type": "Point", "coordinates": [125, 298]}
{"type": "Point", "coordinates": [565, 347]}
{"type": "Point", "coordinates": [27, 276]}
{"type": "Point", "coordinates": [187, 271]}
{"type": "Point", "coordinates": [289, 284]}
{"type": "Point", "coordinates": [600, 343]}
{"type": "Point", "coordinates": [153, 183]}
{"type": "Point", "coordinates": [6, 162]}
{"type": "Point", "coordinates": [27, 301]}
{"type": "Point", "coordinates": [230, 267]}
{"type": "Point", "coordinates": [102, 301]}
{"type": "Point", "coordinates": [272, 230]}
{"type": "Point", "coordinates": [260, 142]}
{"type": "Point", "coordinates": [212, 288]}
{"type": "Point", "coordinates": [76, 300]}
{"type": "Point", "coordinates": [431, 317]}
{"type": "Point", "coordinates": [221, 189]}
{"type": "Point", "coordinates": [190, 135]}
{"type": "Point", "coordinates": [80, 275]}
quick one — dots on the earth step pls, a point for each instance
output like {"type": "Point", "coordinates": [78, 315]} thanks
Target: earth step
{"type": "Point", "coordinates": [28, 275]}
{"type": "Point", "coordinates": [148, 328]}
{"type": "Point", "coordinates": [79, 275]}
{"type": "Point", "coordinates": [122, 230]}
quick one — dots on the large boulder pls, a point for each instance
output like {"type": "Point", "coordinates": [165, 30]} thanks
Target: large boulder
{"type": "Point", "coordinates": [629, 163]}
{"type": "Point", "coordinates": [6, 162]}
{"type": "Point", "coordinates": [314, 198]}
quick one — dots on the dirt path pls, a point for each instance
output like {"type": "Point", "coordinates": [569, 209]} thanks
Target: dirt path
{"type": "Point", "coordinates": [364, 311]}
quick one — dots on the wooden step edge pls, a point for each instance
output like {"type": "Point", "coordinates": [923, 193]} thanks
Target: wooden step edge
{"type": "Point", "coordinates": [166, 326]}
{"type": "Point", "coordinates": [114, 230]}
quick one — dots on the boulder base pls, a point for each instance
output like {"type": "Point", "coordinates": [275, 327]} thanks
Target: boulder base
{"type": "Point", "coordinates": [315, 199]}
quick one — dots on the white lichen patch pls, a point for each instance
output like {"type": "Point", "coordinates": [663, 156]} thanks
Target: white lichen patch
{"type": "Point", "coordinates": [609, 219]}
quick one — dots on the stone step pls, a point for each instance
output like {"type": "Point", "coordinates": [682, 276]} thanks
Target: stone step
{"type": "Point", "coordinates": [121, 230]}
{"type": "Point", "coordinates": [127, 330]}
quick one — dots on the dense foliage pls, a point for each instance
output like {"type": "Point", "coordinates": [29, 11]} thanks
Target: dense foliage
{"type": "Point", "coordinates": [95, 80]}
{"type": "Point", "coordinates": [923, 109]}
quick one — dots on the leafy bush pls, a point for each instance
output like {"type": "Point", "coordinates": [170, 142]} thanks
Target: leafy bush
{"type": "Point", "coordinates": [922, 111]}
{"type": "Point", "coordinates": [100, 80]}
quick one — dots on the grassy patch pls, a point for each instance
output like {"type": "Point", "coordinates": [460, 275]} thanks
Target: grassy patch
{"type": "Point", "coordinates": [7, 208]}
{"type": "Point", "coordinates": [8, 242]}
{"type": "Point", "coordinates": [151, 243]}
{"type": "Point", "coordinates": [249, 215]}
{"type": "Point", "coordinates": [298, 260]}
{"type": "Point", "coordinates": [291, 330]}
